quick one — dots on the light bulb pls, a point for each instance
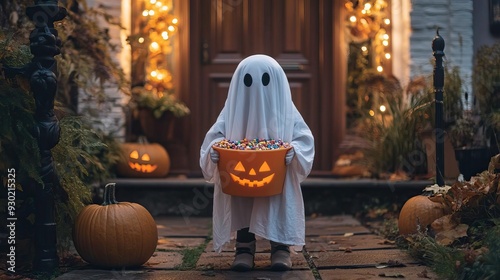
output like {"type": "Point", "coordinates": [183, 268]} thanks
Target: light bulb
{"type": "Point", "coordinates": [352, 19]}
{"type": "Point", "coordinates": [388, 55]}
{"type": "Point", "coordinates": [380, 68]}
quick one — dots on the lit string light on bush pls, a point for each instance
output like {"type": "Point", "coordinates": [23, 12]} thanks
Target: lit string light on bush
{"type": "Point", "coordinates": [368, 22]}
{"type": "Point", "coordinates": [160, 25]}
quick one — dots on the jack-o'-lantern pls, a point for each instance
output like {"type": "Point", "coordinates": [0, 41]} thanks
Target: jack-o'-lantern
{"type": "Point", "coordinates": [252, 172]}
{"type": "Point", "coordinates": [144, 160]}
{"type": "Point", "coordinates": [252, 175]}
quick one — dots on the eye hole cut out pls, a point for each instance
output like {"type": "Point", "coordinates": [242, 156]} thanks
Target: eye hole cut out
{"type": "Point", "coordinates": [239, 167]}
{"type": "Point", "coordinates": [145, 157]}
{"type": "Point", "coordinates": [265, 79]}
{"type": "Point", "coordinates": [264, 167]}
{"type": "Point", "coordinates": [134, 154]}
{"type": "Point", "coordinates": [247, 80]}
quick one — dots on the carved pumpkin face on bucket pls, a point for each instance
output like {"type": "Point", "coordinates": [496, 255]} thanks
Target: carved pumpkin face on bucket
{"type": "Point", "coordinates": [250, 177]}
{"type": "Point", "coordinates": [143, 160]}
{"type": "Point", "coordinates": [252, 173]}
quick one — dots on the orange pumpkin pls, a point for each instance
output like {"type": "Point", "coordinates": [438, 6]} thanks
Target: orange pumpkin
{"type": "Point", "coordinates": [418, 213]}
{"type": "Point", "coordinates": [252, 173]}
{"type": "Point", "coordinates": [144, 160]}
{"type": "Point", "coordinates": [115, 234]}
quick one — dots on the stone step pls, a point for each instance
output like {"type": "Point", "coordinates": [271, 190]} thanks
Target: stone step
{"type": "Point", "coordinates": [192, 197]}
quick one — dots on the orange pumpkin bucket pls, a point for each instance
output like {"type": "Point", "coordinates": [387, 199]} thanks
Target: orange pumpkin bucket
{"type": "Point", "coordinates": [252, 173]}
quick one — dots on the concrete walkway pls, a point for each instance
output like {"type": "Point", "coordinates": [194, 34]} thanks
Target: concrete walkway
{"type": "Point", "coordinates": [337, 247]}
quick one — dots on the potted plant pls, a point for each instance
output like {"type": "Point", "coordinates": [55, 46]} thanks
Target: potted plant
{"type": "Point", "coordinates": [486, 85]}
{"type": "Point", "coordinates": [471, 151]}
{"type": "Point", "coordinates": [156, 110]}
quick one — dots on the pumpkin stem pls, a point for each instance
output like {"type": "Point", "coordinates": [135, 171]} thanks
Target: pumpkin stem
{"type": "Point", "coordinates": [109, 194]}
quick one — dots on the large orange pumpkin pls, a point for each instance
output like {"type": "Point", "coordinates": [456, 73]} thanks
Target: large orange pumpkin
{"type": "Point", "coordinates": [115, 234]}
{"type": "Point", "coordinates": [143, 160]}
{"type": "Point", "coordinates": [418, 213]}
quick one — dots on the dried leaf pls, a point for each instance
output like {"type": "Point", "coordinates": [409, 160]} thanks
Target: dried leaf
{"type": "Point", "coordinates": [347, 234]}
{"type": "Point", "coordinates": [447, 237]}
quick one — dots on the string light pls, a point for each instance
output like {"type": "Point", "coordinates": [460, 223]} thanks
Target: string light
{"type": "Point", "coordinates": [159, 25]}
{"type": "Point", "coordinates": [367, 22]}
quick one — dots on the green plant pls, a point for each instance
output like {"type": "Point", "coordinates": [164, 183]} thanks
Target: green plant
{"type": "Point", "coordinates": [393, 123]}
{"type": "Point", "coordinates": [158, 101]}
{"type": "Point", "coordinates": [486, 85]}
{"type": "Point", "coordinates": [83, 157]}
{"type": "Point", "coordinates": [464, 244]}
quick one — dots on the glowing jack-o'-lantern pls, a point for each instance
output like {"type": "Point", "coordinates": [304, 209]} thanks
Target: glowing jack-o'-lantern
{"type": "Point", "coordinates": [252, 173]}
{"type": "Point", "coordinates": [143, 160]}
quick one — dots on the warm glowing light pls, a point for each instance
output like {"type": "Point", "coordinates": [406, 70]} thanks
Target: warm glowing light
{"type": "Point", "coordinates": [385, 43]}
{"type": "Point", "coordinates": [364, 48]}
{"type": "Point", "coordinates": [385, 36]}
{"type": "Point", "coordinates": [151, 12]}
{"type": "Point", "coordinates": [352, 19]}
{"type": "Point", "coordinates": [164, 8]}
{"type": "Point", "coordinates": [371, 112]}
{"type": "Point", "coordinates": [141, 40]}
{"type": "Point", "coordinates": [155, 46]}
{"type": "Point", "coordinates": [363, 12]}
{"type": "Point", "coordinates": [388, 55]}
{"type": "Point", "coordinates": [387, 21]}
{"type": "Point", "coordinates": [154, 73]}
{"type": "Point", "coordinates": [363, 21]}
{"type": "Point", "coordinates": [145, 13]}
{"type": "Point", "coordinates": [171, 28]}
{"type": "Point", "coordinates": [380, 68]}
{"type": "Point", "coordinates": [164, 35]}
{"type": "Point", "coordinates": [158, 4]}
{"type": "Point", "coordinates": [368, 6]}
{"type": "Point", "coordinates": [382, 108]}
{"type": "Point", "coordinates": [152, 1]}
{"type": "Point", "coordinates": [175, 21]}
{"type": "Point", "coordinates": [159, 76]}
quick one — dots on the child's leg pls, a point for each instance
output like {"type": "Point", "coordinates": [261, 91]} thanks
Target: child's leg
{"type": "Point", "coordinates": [245, 250]}
{"type": "Point", "coordinates": [243, 235]}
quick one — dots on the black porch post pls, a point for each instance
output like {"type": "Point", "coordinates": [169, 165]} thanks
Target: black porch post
{"type": "Point", "coordinates": [44, 45]}
{"type": "Point", "coordinates": [438, 76]}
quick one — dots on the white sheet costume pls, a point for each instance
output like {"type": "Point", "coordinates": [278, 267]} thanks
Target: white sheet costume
{"type": "Point", "coordinates": [259, 105]}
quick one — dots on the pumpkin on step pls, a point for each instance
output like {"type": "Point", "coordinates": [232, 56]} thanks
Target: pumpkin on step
{"type": "Point", "coordinates": [115, 234]}
{"type": "Point", "coordinates": [143, 160]}
{"type": "Point", "coordinates": [419, 212]}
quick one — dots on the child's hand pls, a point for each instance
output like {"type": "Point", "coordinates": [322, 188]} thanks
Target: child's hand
{"type": "Point", "coordinates": [289, 156]}
{"type": "Point", "coordinates": [214, 155]}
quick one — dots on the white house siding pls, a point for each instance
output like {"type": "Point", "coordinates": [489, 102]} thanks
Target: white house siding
{"type": "Point", "coordinates": [454, 18]}
{"type": "Point", "coordinates": [109, 116]}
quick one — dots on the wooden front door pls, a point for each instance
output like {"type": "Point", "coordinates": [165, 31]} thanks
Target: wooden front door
{"type": "Point", "coordinates": [297, 33]}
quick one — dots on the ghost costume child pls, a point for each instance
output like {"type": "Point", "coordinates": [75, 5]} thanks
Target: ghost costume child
{"type": "Point", "coordinates": [259, 105]}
